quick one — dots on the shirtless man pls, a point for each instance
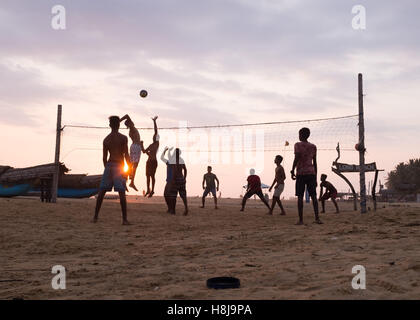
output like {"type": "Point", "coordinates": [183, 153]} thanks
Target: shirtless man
{"type": "Point", "coordinates": [210, 180]}
{"type": "Point", "coordinates": [135, 148]}
{"type": "Point", "coordinates": [279, 185]}
{"type": "Point", "coordinates": [151, 164]}
{"type": "Point", "coordinates": [116, 145]}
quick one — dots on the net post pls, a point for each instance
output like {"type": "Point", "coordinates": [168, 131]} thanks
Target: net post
{"type": "Point", "coordinates": [361, 148]}
{"type": "Point", "coordinates": [57, 156]}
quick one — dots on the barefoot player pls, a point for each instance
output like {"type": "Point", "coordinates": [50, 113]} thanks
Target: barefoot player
{"type": "Point", "coordinates": [166, 192]}
{"type": "Point", "coordinates": [306, 170]}
{"type": "Point", "coordinates": [210, 179]}
{"type": "Point", "coordinates": [330, 192]}
{"type": "Point", "coordinates": [135, 148]}
{"type": "Point", "coordinates": [253, 188]}
{"type": "Point", "coordinates": [151, 164]}
{"type": "Point", "coordinates": [279, 185]}
{"type": "Point", "coordinates": [178, 183]}
{"type": "Point", "coordinates": [116, 145]}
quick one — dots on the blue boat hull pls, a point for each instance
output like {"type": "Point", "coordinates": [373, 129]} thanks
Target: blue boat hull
{"type": "Point", "coordinates": [76, 193]}
{"type": "Point", "coordinates": [14, 191]}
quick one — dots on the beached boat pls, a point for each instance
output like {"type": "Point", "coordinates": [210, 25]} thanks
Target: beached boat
{"type": "Point", "coordinates": [32, 181]}
{"type": "Point", "coordinates": [14, 190]}
{"type": "Point", "coordinates": [76, 193]}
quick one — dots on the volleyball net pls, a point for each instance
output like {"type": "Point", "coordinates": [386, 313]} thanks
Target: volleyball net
{"type": "Point", "coordinates": [225, 144]}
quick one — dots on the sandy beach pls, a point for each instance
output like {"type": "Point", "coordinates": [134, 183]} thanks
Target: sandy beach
{"type": "Point", "coordinates": [170, 257]}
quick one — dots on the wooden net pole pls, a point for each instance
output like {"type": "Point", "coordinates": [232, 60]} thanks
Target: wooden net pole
{"type": "Point", "coordinates": [57, 156]}
{"type": "Point", "coordinates": [361, 148]}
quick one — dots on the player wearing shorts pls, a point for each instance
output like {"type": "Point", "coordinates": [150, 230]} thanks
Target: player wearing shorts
{"type": "Point", "coordinates": [306, 170]}
{"type": "Point", "coordinates": [210, 179]}
{"type": "Point", "coordinates": [151, 163]}
{"type": "Point", "coordinates": [135, 148]}
{"type": "Point", "coordinates": [253, 187]}
{"type": "Point", "coordinates": [166, 192]}
{"type": "Point", "coordinates": [116, 145]}
{"type": "Point", "coordinates": [330, 192]}
{"type": "Point", "coordinates": [279, 185]}
{"type": "Point", "coordinates": [178, 183]}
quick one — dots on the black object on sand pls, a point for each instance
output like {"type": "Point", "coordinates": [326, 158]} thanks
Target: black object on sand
{"type": "Point", "coordinates": [223, 283]}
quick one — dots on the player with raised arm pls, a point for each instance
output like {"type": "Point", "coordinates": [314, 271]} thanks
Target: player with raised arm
{"type": "Point", "coordinates": [135, 148]}
{"type": "Point", "coordinates": [151, 164]}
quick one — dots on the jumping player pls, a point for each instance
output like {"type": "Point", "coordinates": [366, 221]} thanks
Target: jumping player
{"type": "Point", "coordinates": [135, 148]}
{"type": "Point", "coordinates": [306, 170]}
{"type": "Point", "coordinates": [116, 145]}
{"type": "Point", "coordinates": [151, 164]}
{"type": "Point", "coordinates": [253, 188]}
{"type": "Point", "coordinates": [210, 186]}
{"type": "Point", "coordinates": [279, 182]}
{"type": "Point", "coordinates": [330, 192]}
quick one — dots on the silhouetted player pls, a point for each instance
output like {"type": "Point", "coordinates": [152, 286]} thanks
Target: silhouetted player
{"type": "Point", "coordinates": [306, 170]}
{"type": "Point", "coordinates": [210, 179]}
{"type": "Point", "coordinates": [169, 169]}
{"type": "Point", "coordinates": [253, 188]}
{"type": "Point", "coordinates": [151, 164]}
{"type": "Point", "coordinates": [178, 183]}
{"type": "Point", "coordinates": [330, 192]}
{"type": "Point", "coordinates": [116, 145]}
{"type": "Point", "coordinates": [279, 185]}
{"type": "Point", "coordinates": [135, 148]}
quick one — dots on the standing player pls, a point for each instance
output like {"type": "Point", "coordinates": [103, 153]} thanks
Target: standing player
{"type": "Point", "coordinates": [166, 192]}
{"type": "Point", "coordinates": [178, 183]}
{"type": "Point", "coordinates": [116, 145]}
{"type": "Point", "coordinates": [330, 192]}
{"type": "Point", "coordinates": [253, 188]}
{"type": "Point", "coordinates": [135, 148]}
{"type": "Point", "coordinates": [151, 164]}
{"type": "Point", "coordinates": [306, 170]}
{"type": "Point", "coordinates": [279, 182]}
{"type": "Point", "coordinates": [210, 186]}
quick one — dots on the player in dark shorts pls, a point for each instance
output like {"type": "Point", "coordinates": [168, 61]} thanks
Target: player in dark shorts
{"type": "Point", "coordinates": [178, 183]}
{"type": "Point", "coordinates": [151, 164]}
{"type": "Point", "coordinates": [306, 170]}
{"type": "Point", "coordinates": [210, 179]}
{"type": "Point", "coordinates": [166, 192]}
{"type": "Point", "coordinates": [253, 187]}
{"type": "Point", "coordinates": [116, 145]}
{"type": "Point", "coordinates": [330, 192]}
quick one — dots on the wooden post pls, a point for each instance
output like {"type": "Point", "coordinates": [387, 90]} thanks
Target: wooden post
{"type": "Point", "coordinates": [57, 156]}
{"type": "Point", "coordinates": [362, 148]}
{"type": "Point", "coordinates": [350, 185]}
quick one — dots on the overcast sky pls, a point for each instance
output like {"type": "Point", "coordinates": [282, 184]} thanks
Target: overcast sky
{"type": "Point", "coordinates": [207, 62]}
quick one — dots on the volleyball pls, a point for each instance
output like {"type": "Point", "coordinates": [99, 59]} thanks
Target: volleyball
{"type": "Point", "coordinates": [143, 93]}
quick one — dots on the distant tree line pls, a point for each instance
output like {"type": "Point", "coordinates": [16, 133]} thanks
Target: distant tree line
{"type": "Point", "coordinates": [405, 177]}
